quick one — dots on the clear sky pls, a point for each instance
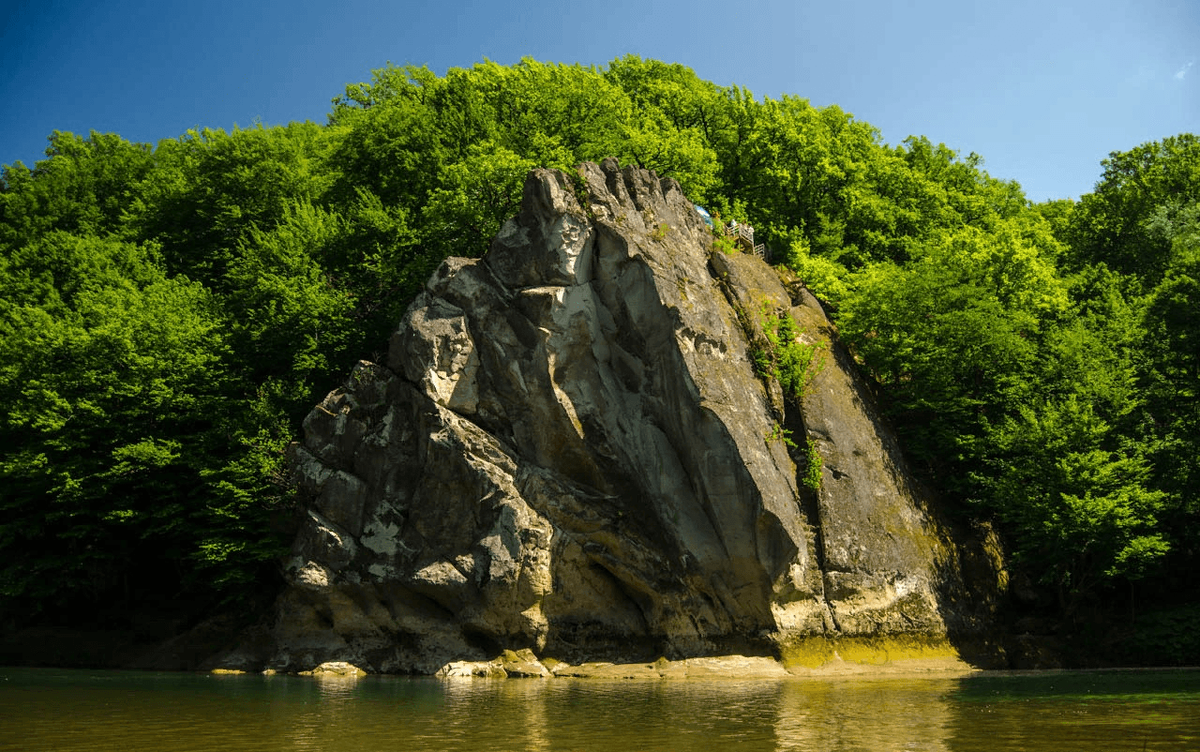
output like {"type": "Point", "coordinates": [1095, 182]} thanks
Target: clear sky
{"type": "Point", "coordinates": [1043, 89]}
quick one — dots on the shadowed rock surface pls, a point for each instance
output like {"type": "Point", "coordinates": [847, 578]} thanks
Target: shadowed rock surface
{"type": "Point", "coordinates": [568, 451]}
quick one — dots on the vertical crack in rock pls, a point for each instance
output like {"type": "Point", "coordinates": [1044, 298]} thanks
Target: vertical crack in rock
{"type": "Point", "coordinates": [569, 451]}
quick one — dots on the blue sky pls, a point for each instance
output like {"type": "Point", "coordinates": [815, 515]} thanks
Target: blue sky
{"type": "Point", "coordinates": [1042, 90]}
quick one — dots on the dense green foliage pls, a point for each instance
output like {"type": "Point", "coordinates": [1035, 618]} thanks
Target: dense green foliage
{"type": "Point", "coordinates": [169, 313]}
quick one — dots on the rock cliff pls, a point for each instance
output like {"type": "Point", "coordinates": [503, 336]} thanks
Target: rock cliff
{"type": "Point", "coordinates": [569, 451]}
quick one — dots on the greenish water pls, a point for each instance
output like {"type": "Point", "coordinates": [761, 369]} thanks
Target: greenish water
{"type": "Point", "coordinates": [47, 709]}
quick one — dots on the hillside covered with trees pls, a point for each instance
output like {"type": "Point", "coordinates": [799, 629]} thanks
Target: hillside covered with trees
{"type": "Point", "coordinates": [170, 313]}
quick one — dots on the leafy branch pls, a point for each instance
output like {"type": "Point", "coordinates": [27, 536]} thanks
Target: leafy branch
{"type": "Point", "coordinates": [782, 356]}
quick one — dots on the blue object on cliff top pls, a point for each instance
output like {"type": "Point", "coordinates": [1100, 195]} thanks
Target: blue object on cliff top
{"type": "Point", "coordinates": [704, 214]}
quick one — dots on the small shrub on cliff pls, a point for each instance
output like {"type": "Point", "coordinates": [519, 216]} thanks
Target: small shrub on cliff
{"type": "Point", "coordinates": [779, 433]}
{"type": "Point", "coordinates": [811, 462]}
{"type": "Point", "coordinates": [724, 244]}
{"type": "Point", "coordinates": [785, 358]}
{"type": "Point", "coordinates": [813, 465]}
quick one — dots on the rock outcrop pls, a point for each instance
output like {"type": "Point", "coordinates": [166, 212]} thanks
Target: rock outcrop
{"type": "Point", "coordinates": [568, 451]}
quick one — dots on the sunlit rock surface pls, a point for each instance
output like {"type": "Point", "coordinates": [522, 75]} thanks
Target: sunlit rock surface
{"type": "Point", "coordinates": [569, 452]}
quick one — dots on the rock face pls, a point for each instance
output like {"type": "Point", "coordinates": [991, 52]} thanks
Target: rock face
{"type": "Point", "coordinates": [569, 451]}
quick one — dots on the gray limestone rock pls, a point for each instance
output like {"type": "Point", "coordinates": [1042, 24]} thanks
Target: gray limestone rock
{"type": "Point", "coordinates": [569, 452]}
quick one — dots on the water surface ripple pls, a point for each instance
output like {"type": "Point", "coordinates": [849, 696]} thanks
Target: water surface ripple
{"type": "Point", "coordinates": [110, 711]}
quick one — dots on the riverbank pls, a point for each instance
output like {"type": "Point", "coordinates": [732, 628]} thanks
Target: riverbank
{"type": "Point", "coordinates": [162, 645]}
{"type": "Point", "coordinates": [881, 658]}
{"type": "Point", "coordinates": [524, 664]}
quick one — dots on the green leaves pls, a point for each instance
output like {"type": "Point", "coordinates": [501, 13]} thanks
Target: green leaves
{"type": "Point", "coordinates": [107, 372]}
{"type": "Point", "coordinates": [786, 358]}
{"type": "Point", "coordinates": [85, 186]}
{"type": "Point", "coordinates": [284, 302]}
{"type": "Point", "coordinates": [1116, 223]}
{"type": "Point", "coordinates": [1075, 496]}
{"type": "Point", "coordinates": [955, 324]}
{"type": "Point", "coordinates": [475, 198]}
{"type": "Point", "coordinates": [208, 188]}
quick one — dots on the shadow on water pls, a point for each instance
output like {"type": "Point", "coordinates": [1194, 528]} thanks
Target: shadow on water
{"type": "Point", "coordinates": [1079, 710]}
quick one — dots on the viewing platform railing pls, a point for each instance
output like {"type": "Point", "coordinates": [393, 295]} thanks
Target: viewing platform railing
{"type": "Point", "coordinates": [743, 236]}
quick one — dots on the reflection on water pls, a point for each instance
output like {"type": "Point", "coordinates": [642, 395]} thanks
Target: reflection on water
{"type": "Point", "coordinates": [891, 714]}
{"type": "Point", "coordinates": [1084, 711]}
{"type": "Point", "coordinates": [44, 709]}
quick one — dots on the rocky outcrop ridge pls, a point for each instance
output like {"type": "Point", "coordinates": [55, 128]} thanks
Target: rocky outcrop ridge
{"type": "Point", "coordinates": [568, 451]}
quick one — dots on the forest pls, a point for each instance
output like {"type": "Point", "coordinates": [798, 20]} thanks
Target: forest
{"type": "Point", "coordinates": [171, 312]}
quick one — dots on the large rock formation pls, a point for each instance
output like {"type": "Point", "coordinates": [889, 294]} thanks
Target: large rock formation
{"type": "Point", "coordinates": [568, 450]}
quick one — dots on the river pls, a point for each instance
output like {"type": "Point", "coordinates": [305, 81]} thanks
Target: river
{"type": "Point", "coordinates": [98, 711]}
